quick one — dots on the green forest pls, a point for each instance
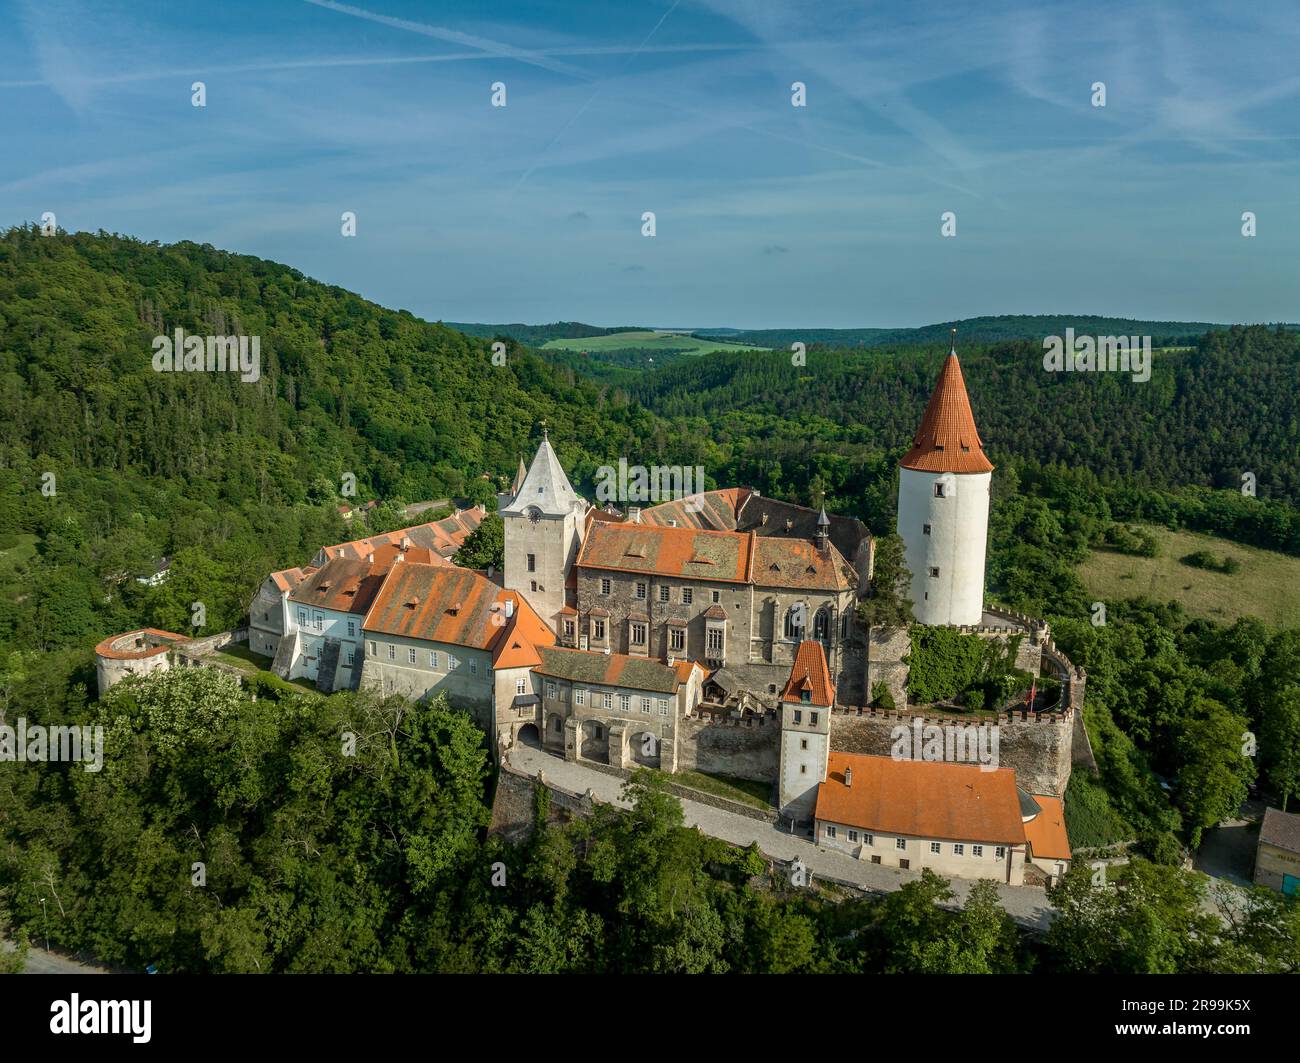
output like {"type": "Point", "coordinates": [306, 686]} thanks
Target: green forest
{"type": "Point", "coordinates": [107, 466]}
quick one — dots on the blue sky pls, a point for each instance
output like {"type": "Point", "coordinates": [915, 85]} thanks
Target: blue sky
{"type": "Point", "coordinates": [767, 215]}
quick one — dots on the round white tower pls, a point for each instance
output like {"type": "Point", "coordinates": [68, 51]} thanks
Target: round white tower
{"type": "Point", "coordinates": [943, 506]}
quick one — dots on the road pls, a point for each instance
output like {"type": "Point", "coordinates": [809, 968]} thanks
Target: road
{"type": "Point", "coordinates": [41, 962]}
{"type": "Point", "coordinates": [1027, 905]}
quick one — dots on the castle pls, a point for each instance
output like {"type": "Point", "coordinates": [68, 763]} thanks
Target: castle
{"type": "Point", "coordinates": [718, 632]}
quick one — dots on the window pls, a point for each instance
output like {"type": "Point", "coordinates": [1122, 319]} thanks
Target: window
{"type": "Point", "coordinates": [564, 693]}
{"type": "Point", "coordinates": [688, 596]}
{"type": "Point", "coordinates": [664, 592]}
{"type": "Point", "coordinates": [803, 769]}
{"type": "Point", "coordinates": [302, 617]}
{"type": "Point", "coordinates": [532, 584]}
{"type": "Point", "coordinates": [640, 591]}
{"type": "Point", "coordinates": [638, 634]}
{"type": "Point", "coordinates": [568, 630]}
{"type": "Point", "coordinates": [1000, 852]}
{"type": "Point", "coordinates": [934, 573]}
{"type": "Point", "coordinates": [977, 850]}
{"type": "Point", "coordinates": [374, 649]}
{"type": "Point", "coordinates": [580, 698]}
{"type": "Point", "coordinates": [663, 706]}
{"type": "Point", "coordinates": [830, 831]}
{"type": "Point", "coordinates": [900, 843]}
{"type": "Point", "coordinates": [453, 662]}
{"type": "Point", "coordinates": [410, 655]}
{"type": "Point", "coordinates": [352, 629]}
{"type": "Point", "coordinates": [717, 597]}
{"type": "Point", "coordinates": [598, 629]}
{"type": "Point", "coordinates": [392, 652]}
{"type": "Point", "coordinates": [822, 625]}
{"type": "Point", "coordinates": [351, 657]}
{"type": "Point", "coordinates": [677, 639]}
{"type": "Point", "coordinates": [607, 701]}
{"type": "Point", "coordinates": [550, 689]}
{"type": "Point", "coordinates": [938, 490]}
{"type": "Point", "coordinates": [645, 704]}
{"type": "Point", "coordinates": [532, 562]}
{"type": "Point", "coordinates": [715, 642]}
{"type": "Point", "coordinates": [558, 725]}
{"type": "Point", "coordinates": [794, 621]}
{"type": "Point", "coordinates": [604, 586]}
{"type": "Point", "coordinates": [473, 667]}
{"type": "Point", "coordinates": [521, 686]}
{"type": "Point", "coordinates": [320, 621]}
{"type": "Point", "coordinates": [803, 743]}
{"type": "Point", "coordinates": [625, 703]}
{"type": "Point", "coordinates": [600, 732]}
{"type": "Point", "coordinates": [870, 839]}
{"type": "Point", "coordinates": [853, 835]}
{"type": "Point", "coordinates": [925, 529]}
{"type": "Point", "coordinates": [433, 659]}
{"type": "Point", "coordinates": [958, 849]}
{"type": "Point", "coordinates": [812, 722]}
{"type": "Point", "coordinates": [935, 847]}
{"type": "Point", "coordinates": [798, 716]}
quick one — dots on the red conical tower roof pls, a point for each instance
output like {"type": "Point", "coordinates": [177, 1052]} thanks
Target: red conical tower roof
{"type": "Point", "coordinates": [948, 440]}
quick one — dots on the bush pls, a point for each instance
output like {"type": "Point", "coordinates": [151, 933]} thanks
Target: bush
{"type": "Point", "coordinates": [1206, 560]}
{"type": "Point", "coordinates": [881, 698]}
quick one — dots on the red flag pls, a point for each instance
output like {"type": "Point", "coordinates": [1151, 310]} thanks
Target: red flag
{"type": "Point", "coordinates": [1033, 690]}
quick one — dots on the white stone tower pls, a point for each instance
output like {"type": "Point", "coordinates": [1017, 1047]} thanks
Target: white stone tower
{"type": "Point", "coordinates": [805, 732]}
{"type": "Point", "coordinates": [543, 530]}
{"type": "Point", "coordinates": [943, 506]}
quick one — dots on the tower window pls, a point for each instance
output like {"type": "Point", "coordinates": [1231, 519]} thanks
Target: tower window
{"type": "Point", "coordinates": [934, 573]}
{"type": "Point", "coordinates": [938, 490]}
{"type": "Point", "coordinates": [532, 562]}
{"type": "Point", "coordinates": [925, 529]}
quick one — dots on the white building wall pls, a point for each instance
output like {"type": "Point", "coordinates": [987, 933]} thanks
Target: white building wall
{"type": "Point", "coordinates": [956, 544]}
{"type": "Point", "coordinates": [803, 769]}
{"type": "Point", "coordinates": [1009, 867]}
{"type": "Point", "coordinates": [553, 542]}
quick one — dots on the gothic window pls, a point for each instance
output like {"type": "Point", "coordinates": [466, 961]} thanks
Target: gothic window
{"type": "Point", "coordinates": [822, 625]}
{"type": "Point", "coordinates": [794, 621]}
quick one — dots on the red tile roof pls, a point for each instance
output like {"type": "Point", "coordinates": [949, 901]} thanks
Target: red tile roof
{"type": "Point", "coordinates": [1046, 833]}
{"type": "Point", "coordinates": [442, 537]}
{"type": "Point", "coordinates": [811, 673]}
{"type": "Point", "coordinates": [799, 564]}
{"type": "Point", "coordinates": [686, 552]}
{"type": "Point", "coordinates": [948, 440]}
{"type": "Point", "coordinates": [922, 799]}
{"type": "Point", "coordinates": [137, 644]}
{"type": "Point", "coordinates": [343, 585]}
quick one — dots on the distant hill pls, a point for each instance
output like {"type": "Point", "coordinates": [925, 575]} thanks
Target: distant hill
{"type": "Point", "coordinates": [539, 335]}
{"type": "Point", "coordinates": [974, 330]}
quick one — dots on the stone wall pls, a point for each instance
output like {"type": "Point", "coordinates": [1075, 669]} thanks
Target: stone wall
{"type": "Point", "coordinates": [1038, 745]}
{"type": "Point", "coordinates": [746, 749]}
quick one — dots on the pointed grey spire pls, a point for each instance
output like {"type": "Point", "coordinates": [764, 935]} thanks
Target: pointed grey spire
{"type": "Point", "coordinates": [545, 486]}
{"type": "Point", "coordinates": [823, 521]}
{"type": "Point", "coordinates": [519, 477]}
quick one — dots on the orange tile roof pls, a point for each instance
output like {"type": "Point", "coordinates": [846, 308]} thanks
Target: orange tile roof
{"type": "Point", "coordinates": [811, 673]}
{"type": "Point", "coordinates": [287, 579]}
{"type": "Point", "coordinates": [1046, 832]}
{"type": "Point", "coordinates": [948, 440]}
{"type": "Point", "coordinates": [798, 563]}
{"type": "Point", "coordinates": [685, 552]}
{"type": "Point", "coordinates": [155, 641]}
{"type": "Point", "coordinates": [443, 537]}
{"type": "Point", "coordinates": [717, 510]}
{"type": "Point", "coordinates": [343, 585]}
{"type": "Point", "coordinates": [922, 799]}
{"type": "Point", "coordinates": [441, 603]}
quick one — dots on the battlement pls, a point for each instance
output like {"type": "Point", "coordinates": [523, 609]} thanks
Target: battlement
{"type": "Point", "coordinates": [1054, 716]}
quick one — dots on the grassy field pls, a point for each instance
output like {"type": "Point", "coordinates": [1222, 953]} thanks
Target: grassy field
{"type": "Point", "coordinates": [746, 791]}
{"type": "Point", "coordinates": [15, 551]}
{"type": "Point", "coordinates": [1264, 586]}
{"type": "Point", "coordinates": [649, 341]}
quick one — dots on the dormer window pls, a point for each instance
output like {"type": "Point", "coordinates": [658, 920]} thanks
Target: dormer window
{"type": "Point", "coordinates": [806, 697]}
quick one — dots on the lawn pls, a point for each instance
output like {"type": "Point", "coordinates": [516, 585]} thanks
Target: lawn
{"type": "Point", "coordinates": [746, 791]}
{"type": "Point", "coordinates": [1264, 586]}
{"type": "Point", "coordinates": [647, 341]}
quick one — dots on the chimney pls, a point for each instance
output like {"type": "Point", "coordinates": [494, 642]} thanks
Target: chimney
{"type": "Point", "coordinates": [370, 558]}
{"type": "Point", "coordinates": [406, 543]}
{"type": "Point", "coordinates": [848, 776]}
{"type": "Point", "coordinates": [510, 608]}
{"type": "Point", "coordinates": [634, 514]}
{"type": "Point", "coordinates": [789, 524]}
{"type": "Point", "coordinates": [764, 520]}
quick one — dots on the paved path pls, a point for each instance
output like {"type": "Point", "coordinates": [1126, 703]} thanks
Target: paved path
{"type": "Point", "coordinates": [41, 962]}
{"type": "Point", "coordinates": [1027, 905]}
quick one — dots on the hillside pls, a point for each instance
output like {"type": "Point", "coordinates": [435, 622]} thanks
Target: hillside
{"type": "Point", "coordinates": [975, 330]}
{"type": "Point", "coordinates": [538, 335]}
{"type": "Point", "coordinates": [232, 478]}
